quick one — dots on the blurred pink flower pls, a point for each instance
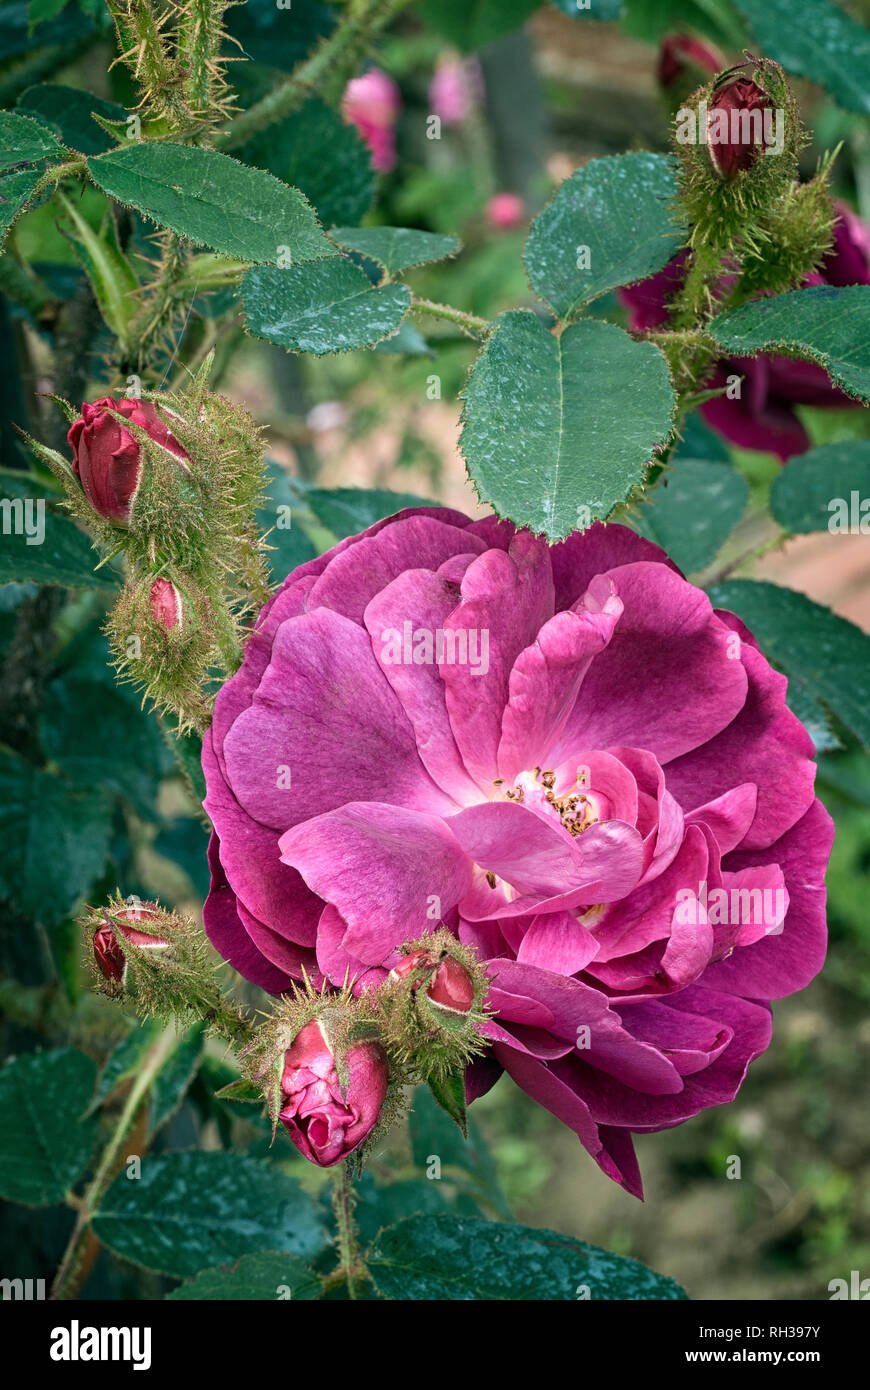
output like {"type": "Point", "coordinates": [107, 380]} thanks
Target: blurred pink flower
{"type": "Point", "coordinates": [505, 211]}
{"type": "Point", "coordinates": [455, 89]}
{"type": "Point", "coordinates": [372, 103]}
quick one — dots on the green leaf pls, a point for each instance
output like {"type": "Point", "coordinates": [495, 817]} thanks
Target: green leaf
{"type": "Point", "coordinates": [40, 10]}
{"type": "Point", "coordinates": [821, 43]}
{"type": "Point", "coordinates": [599, 10]}
{"type": "Point", "coordinates": [825, 657]}
{"type": "Point", "coordinates": [450, 1095]}
{"type": "Point", "coordinates": [39, 810]}
{"type": "Point", "coordinates": [16, 191]}
{"type": "Point", "coordinates": [815, 492]}
{"type": "Point", "coordinates": [107, 268]}
{"type": "Point", "coordinates": [827, 324]}
{"type": "Point", "coordinates": [23, 141]}
{"type": "Point", "coordinates": [409, 340]}
{"type": "Point", "coordinates": [347, 510]}
{"type": "Point", "coordinates": [63, 555]}
{"type": "Point", "coordinates": [174, 1077]}
{"type": "Point", "coordinates": [433, 1133]}
{"type": "Point", "coordinates": [555, 424]}
{"type": "Point", "coordinates": [330, 306]}
{"type": "Point", "coordinates": [442, 1257]}
{"type": "Point", "coordinates": [45, 1143]}
{"type": "Point", "coordinates": [693, 511]}
{"type": "Point", "coordinates": [67, 112]}
{"type": "Point", "coordinates": [289, 546]}
{"type": "Point", "coordinates": [472, 23]}
{"type": "Point", "coordinates": [316, 151]}
{"type": "Point", "coordinates": [396, 248]}
{"type": "Point", "coordinates": [100, 737]}
{"type": "Point", "coordinates": [241, 1090]}
{"type": "Point", "coordinates": [611, 223]}
{"type": "Point", "coordinates": [264, 1277]}
{"type": "Point", "coordinates": [213, 200]}
{"type": "Point", "coordinates": [275, 36]}
{"type": "Point", "coordinates": [192, 1210]}
{"type": "Point", "coordinates": [125, 1059]}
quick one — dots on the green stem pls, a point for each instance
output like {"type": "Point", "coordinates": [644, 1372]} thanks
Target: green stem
{"type": "Point", "coordinates": [351, 1266]}
{"type": "Point", "coordinates": [293, 93]}
{"type": "Point", "coordinates": [66, 1282]}
{"type": "Point", "coordinates": [470, 324]}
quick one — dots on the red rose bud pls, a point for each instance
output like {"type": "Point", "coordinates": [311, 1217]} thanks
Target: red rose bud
{"type": "Point", "coordinates": [736, 126]}
{"type": "Point", "coordinates": [107, 458]}
{"type": "Point", "coordinates": [452, 987]}
{"type": "Point", "coordinates": [681, 56]}
{"type": "Point", "coordinates": [166, 606]}
{"type": "Point", "coordinates": [108, 953]}
{"type": "Point", "coordinates": [449, 984]}
{"type": "Point", "coordinates": [325, 1119]}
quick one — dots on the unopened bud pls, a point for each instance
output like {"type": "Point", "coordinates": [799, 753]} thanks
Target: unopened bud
{"type": "Point", "coordinates": [684, 62]}
{"type": "Point", "coordinates": [735, 126]}
{"type": "Point", "coordinates": [166, 604]}
{"type": "Point", "coordinates": [108, 459]}
{"type": "Point", "coordinates": [124, 923]}
{"type": "Point", "coordinates": [325, 1115]}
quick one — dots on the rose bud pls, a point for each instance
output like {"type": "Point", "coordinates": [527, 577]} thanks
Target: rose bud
{"type": "Point", "coordinates": [108, 953]}
{"type": "Point", "coordinates": [737, 113]}
{"type": "Point", "coordinates": [683, 61]}
{"type": "Point", "coordinates": [107, 458]}
{"type": "Point", "coordinates": [326, 1118]}
{"type": "Point", "coordinates": [505, 211]}
{"type": "Point", "coordinates": [449, 985]}
{"type": "Point", "coordinates": [166, 605]}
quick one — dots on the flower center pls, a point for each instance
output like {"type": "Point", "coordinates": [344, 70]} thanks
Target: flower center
{"type": "Point", "coordinates": [575, 806]}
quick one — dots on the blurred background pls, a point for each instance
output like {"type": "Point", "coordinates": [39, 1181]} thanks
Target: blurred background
{"type": "Point", "coordinates": [516, 118]}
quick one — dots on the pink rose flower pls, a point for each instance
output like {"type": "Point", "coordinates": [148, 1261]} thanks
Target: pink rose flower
{"type": "Point", "coordinates": [455, 89]}
{"type": "Point", "coordinates": [763, 417]}
{"type": "Point", "coordinates": [325, 1119]}
{"type": "Point", "coordinates": [505, 211]}
{"type": "Point", "coordinates": [107, 458]}
{"type": "Point", "coordinates": [372, 103]}
{"type": "Point", "coordinates": [569, 752]}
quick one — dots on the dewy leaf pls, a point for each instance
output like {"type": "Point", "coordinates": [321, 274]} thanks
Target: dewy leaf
{"type": "Point", "coordinates": [450, 1095]}
{"type": "Point", "coordinates": [330, 306]}
{"type": "Point", "coordinates": [191, 1210]}
{"type": "Point", "coordinates": [267, 1277]}
{"type": "Point", "coordinates": [45, 1141]}
{"type": "Point", "coordinates": [827, 489]}
{"type": "Point", "coordinates": [827, 324]}
{"type": "Point", "coordinates": [611, 223]}
{"type": "Point", "coordinates": [396, 248]}
{"type": "Point", "coordinates": [213, 200]}
{"type": "Point", "coordinates": [820, 42]}
{"type": "Point", "coordinates": [23, 141]}
{"type": "Point", "coordinates": [459, 1259]}
{"type": "Point", "coordinates": [67, 111]}
{"type": "Point", "coordinates": [693, 510]}
{"type": "Point", "coordinates": [823, 655]}
{"type": "Point", "coordinates": [15, 193]}
{"type": "Point", "coordinates": [316, 151]}
{"type": "Point", "coordinates": [38, 809]}
{"type": "Point", "coordinates": [555, 425]}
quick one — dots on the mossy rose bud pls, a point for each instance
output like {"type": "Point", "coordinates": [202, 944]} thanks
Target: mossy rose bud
{"type": "Point", "coordinates": [167, 609]}
{"type": "Point", "coordinates": [735, 126]}
{"type": "Point", "coordinates": [446, 983]}
{"type": "Point", "coordinates": [124, 924]}
{"type": "Point", "coordinates": [330, 1105]}
{"type": "Point", "coordinates": [108, 459]}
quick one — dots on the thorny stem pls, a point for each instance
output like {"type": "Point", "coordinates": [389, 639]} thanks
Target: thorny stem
{"type": "Point", "coordinates": [470, 324]}
{"type": "Point", "coordinates": [351, 1266]}
{"type": "Point", "coordinates": [292, 94]}
{"type": "Point", "coordinates": [73, 1267]}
